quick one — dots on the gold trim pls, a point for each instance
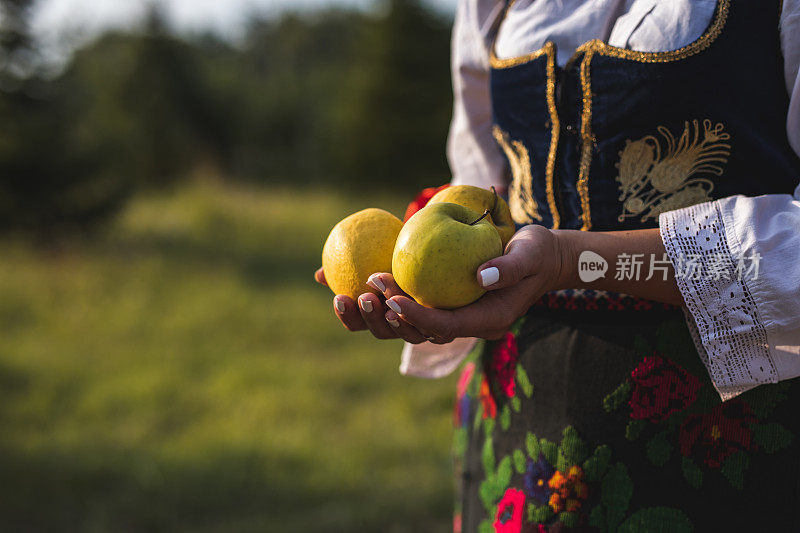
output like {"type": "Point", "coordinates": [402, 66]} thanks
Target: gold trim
{"type": "Point", "coordinates": [496, 62]}
{"type": "Point", "coordinates": [598, 46]}
{"type": "Point", "coordinates": [587, 139]}
{"type": "Point", "coordinates": [697, 46]}
{"type": "Point", "coordinates": [555, 131]}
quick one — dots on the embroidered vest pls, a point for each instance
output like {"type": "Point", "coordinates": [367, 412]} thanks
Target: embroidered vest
{"type": "Point", "coordinates": [617, 137]}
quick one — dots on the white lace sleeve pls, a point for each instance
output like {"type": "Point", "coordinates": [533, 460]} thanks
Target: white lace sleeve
{"type": "Point", "coordinates": [735, 262]}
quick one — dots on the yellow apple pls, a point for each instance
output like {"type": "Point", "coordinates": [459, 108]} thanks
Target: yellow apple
{"type": "Point", "coordinates": [438, 252]}
{"type": "Point", "coordinates": [358, 246]}
{"type": "Point", "coordinates": [479, 200]}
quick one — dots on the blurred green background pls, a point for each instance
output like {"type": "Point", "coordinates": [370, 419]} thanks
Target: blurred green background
{"type": "Point", "coordinates": [166, 361]}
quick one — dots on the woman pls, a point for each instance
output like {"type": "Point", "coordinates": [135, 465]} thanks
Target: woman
{"type": "Point", "coordinates": [661, 137]}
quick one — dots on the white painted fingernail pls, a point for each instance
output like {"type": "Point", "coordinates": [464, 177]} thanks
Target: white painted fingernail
{"type": "Point", "coordinates": [394, 306]}
{"type": "Point", "coordinates": [366, 305]}
{"type": "Point", "coordinates": [339, 304]}
{"type": "Point", "coordinates": [393, 323]}
{"type": "Point", "coordinates": [489, 276]}
{"type": "Point", "coordinates": [376, 282]}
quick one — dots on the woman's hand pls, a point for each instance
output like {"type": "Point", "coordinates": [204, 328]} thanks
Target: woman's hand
{"type": "Point", "coordinates": [530, 267]}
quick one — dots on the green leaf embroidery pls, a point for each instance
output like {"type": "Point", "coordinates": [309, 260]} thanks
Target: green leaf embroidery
{"type": "Point", "coordinates": [733, 468]}
{"type": "Point", "coordinates": [539, 514]}
{"type": "Point", "coordinates": [505, 418]}
{"type": "Point", "coordinates": [656, 519]}
{"type": "Point", "coordinates": [691, 472]}
{"type": "Point", "coordinates": [532, 446]}
{"type": "Point", "coordinates": [568, 519]}
{"type": "Point", "coordinates": [485, 526]}
{"type": "Point", "coordinates": [597, 518]}
{"type": "Point", "coordinates": [562, 464]}
{"type": "Point", "coordinates": [487, 457]}
{"type": "Point", "coordinates": [572, 448]}
{"type": "Point", "coordinates": [460, 442]}
{"type": "Point", "coordinates": [516, 405]}
{"type": "Point", "coordinates": [595, 466]}
{"type": "Point", "coordinates": [549, 450]}
{"type": "Point", "coordinates": [520, 465]}
{"type": "Point", "coordinates": [476, 423]}
{"type": "Point", "coordinates": [659, 449]}
{"type": "Point", "coordinates": [488, 426]}
{"type": "Point", "coordinates": [504, 473]}
{"type": "Point", "coordinates": [615, 494]}
{"type": "Point", "coordinates": [524, 382]}
{"type": "Point", "coordinates": [616, 399]}
{"type": "Point", "coordinates": [488, 494]}
{"type": "Point", "coordinates": [772, 437]}
{"type": "Point", "coordinates": [634, 429]}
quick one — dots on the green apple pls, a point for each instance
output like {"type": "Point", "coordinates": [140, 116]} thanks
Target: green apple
{"type": "Point", "coordinates": [479, 200]}
{"type": "Point", "coordinates": [438, 252]}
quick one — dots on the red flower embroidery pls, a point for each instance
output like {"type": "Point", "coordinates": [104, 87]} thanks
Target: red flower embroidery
{"type": "Point", "coordinates": [718, 434]}
{"type": "Point", "coordinates": [487, 400]}
{"type": "Point", "coordinates": [464, 379]}
{"type": "Point", "coordinates": [661, 388]}
{"type": "Point", "coordinates": [462, 405]}
{"type": "Point", "coordinates": [421, 200]}
{"type": "Point", "coordinates": [504, 363]}
{"type": "Point", "coordinates": [569, 490]}
{"type": "Point", "coordinates": [509, 512]}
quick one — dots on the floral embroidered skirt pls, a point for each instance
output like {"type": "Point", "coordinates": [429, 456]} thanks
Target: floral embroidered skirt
{"type": "Point", "coordinates": [607, 421]}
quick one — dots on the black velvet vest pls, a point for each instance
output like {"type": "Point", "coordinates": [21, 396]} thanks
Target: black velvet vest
{"type": "Point", "coordinates": [617, 137]}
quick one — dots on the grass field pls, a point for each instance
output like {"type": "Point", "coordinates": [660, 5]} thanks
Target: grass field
{"type": "Point", "coordinates": [182, 372]}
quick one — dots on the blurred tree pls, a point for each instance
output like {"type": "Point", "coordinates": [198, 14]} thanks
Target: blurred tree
{"type": "Point", "coordinates": [293, 72]}
{"type": "Point", "coordinates": [142, 105]}
{"type": "Point", "coordinates": [44, 183]}
{"type": "Point", "coordinates": [396, 109]}
{"type": "Point", "coordinates": [335, 96]}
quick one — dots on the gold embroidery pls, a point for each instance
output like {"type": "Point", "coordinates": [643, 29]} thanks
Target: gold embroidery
{"type": "Point", "coordinates": [555, 130]}
{"type": "Point", "coordinates": [496, 62]}
{"type": "Point", "coordinates": [598, 46]}
{"type": "Point", "coordinates": [587, 140]}
{"type": "Point", "coordinates": [653, 180]}
{"type": "Point", "coordinates": [524, 208]}
{"type": "Point", "coordinates": [703, 42]}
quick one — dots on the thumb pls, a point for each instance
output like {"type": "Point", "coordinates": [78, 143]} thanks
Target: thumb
{"type": "Point", "coordinates": [506, 270]}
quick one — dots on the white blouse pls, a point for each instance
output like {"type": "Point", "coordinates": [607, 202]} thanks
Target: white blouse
{"type": "Point", "coordinates": [747, 331]}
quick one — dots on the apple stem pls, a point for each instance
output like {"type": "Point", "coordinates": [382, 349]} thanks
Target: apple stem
{"type": "Point", "coordinates": [484, 215]}
{"type": "Point", "coordinates": [495, 198]}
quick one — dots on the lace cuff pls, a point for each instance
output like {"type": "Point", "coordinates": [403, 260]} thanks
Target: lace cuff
{"type": "Point", "coordinates": [722, 314]}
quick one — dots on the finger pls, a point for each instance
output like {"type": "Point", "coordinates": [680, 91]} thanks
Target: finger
{"type": "Point", "coordinates": [319, 276]}
{"type": "Point", "coordinates": [372, 309]}
{"type": "Point", "coordinates": [385, 283]}
{"type": "Point", "coordinates": [404, 330]}
{"type": "Point", "coordinates": [508, 269]}
{"type": "Point", "coordinates": [487, 318]}
{"type": "Point", "coordinates": [433, 324]}
{"type": "Point", "coordinates": [345, 308]}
